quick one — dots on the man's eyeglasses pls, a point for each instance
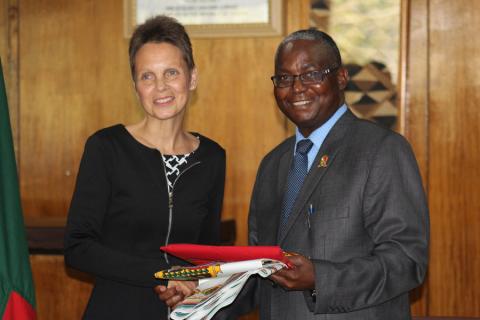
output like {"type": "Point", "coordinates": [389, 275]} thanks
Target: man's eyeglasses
{"type": "Point", "coordinates": [307, 78]}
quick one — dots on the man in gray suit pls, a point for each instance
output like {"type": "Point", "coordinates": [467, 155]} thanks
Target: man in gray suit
{"type": "Point", "coordinates": [358, 221]}
{"type": "Point", "coordinates": [343, 194]}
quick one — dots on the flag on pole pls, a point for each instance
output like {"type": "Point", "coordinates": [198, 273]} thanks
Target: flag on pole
{"type": "Point", "coordinates": [17, 293]}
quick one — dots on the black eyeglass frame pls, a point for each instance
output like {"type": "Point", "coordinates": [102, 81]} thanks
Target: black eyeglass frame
{"type": "Point", "coordinates": [319, 78]}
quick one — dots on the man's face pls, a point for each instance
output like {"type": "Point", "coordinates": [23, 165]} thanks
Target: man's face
{"type": "Point", "coordinates": [309, 106]}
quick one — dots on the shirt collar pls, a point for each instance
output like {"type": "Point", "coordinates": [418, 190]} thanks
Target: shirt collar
{"type": "Point", "coordinates": [319, 134]}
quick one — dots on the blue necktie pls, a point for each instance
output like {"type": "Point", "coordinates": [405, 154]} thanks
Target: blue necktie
{"type": "Point", "coordinates": [296, 175]}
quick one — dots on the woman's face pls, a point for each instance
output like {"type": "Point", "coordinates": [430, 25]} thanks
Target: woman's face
{"type": "Point", "coordinates": [163, 81]}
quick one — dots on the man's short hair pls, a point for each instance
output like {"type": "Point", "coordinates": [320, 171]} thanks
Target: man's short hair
{"type": "Point", "coordinates": [314, 35]}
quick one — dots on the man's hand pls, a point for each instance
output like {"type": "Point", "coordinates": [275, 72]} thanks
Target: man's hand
{"type": "Point", "coordinates": [176, 292]}
{"type": "Point", "coordinates": [300, 277]}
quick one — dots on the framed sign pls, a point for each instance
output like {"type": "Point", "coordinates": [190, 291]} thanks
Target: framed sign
{"type": "Point", "coordinates": [211, 18]}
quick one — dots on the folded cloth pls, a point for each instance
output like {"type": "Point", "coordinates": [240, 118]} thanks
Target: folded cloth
{"type": "Point", "coordinates": [203, 254]}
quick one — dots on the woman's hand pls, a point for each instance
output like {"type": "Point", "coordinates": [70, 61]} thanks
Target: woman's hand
{"type": "Point", "coordinates": [170, 296]}
{"type": "Point", "coordinates": [175, 292]}
{"type": "Point", "coordinates": [186, 287]}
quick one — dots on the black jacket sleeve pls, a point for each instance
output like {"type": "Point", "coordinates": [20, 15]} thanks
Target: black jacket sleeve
{"type": "Point", "coordinates": [83, 246]}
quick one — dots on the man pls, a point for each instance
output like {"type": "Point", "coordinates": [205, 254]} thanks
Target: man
{"type": "Point", "coordinates": [344, 194]}
{"type": "Point", "coordinates": [359, 221]}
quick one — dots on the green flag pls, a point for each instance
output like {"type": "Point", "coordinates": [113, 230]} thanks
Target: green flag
{"type": "Point", "coordinates": [17, 293]}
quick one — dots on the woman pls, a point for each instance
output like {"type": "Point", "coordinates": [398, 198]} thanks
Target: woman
{"type": "Point", "coordinates": [145, 185]}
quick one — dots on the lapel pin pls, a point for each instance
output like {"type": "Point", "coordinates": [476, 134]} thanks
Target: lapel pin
{"type": "Point", "coordinates": [323, 162]}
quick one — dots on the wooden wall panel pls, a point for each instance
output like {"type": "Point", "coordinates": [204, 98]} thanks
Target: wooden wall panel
{"type": "Point", "coordinates": [441, 120]}
{"type": "Point", "coordinates": [61, 293]}
{"type": "Point", "coordinates": [454, 157]}
{"type": "Point", "coordinates": [413, 90]}
{"type": "Point", "coordinates": [4, 32]}
{"type": "Point", "coordinates": [74, 80]}
{"type": "Point", "coordinates": [9, 56]}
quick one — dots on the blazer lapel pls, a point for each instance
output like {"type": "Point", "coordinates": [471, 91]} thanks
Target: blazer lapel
{"type": "Point", "coordinates": [323, 160]}
{"type": "Point", "coordinates": [283, 167]}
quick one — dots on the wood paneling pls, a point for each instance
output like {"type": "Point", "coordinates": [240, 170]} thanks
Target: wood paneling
{"type": "Point", "coordinates": [414, 84]}
{"type": "Point", "coordinates": [74, 80]}
{"type": "Point", "coordinates": [9, 56]}
{"type": "Point", "coordinates": [454, 157]}
{"type": "Point", "coordinates": [61, 293]}
{"type": "Point", "coordinates": [441, 121]}
{"type": "Point", "coordinates": [414, 92]}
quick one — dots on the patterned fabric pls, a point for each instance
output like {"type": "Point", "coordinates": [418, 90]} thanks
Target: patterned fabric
{"type": "Point", "coordinates": [371, 94]}
{"type": "Point", "coordinates": [296, 175]}
{"type": "Point", "coordinates": [174, 164]}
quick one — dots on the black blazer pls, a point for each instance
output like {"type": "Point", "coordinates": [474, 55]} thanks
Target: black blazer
{"type": "Point", "coordinates": [119, 218]}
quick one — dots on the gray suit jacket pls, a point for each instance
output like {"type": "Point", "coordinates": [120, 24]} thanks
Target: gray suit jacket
{"type": "Point", "coordinates": [368, 233]}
